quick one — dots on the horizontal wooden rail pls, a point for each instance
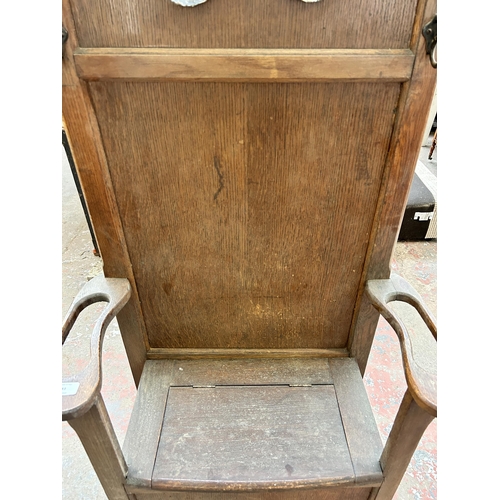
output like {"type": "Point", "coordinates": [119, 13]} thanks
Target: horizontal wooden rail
{"type": "Point", "coordinates": [283, 65]}
{"type": "Point", "coordinates": [166, 353]}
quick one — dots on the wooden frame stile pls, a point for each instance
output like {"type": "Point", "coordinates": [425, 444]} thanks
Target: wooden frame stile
{"type": "Point", "coordinates": [91, 164]}
{"type": "Point", "coordinates": [416, 96]}
{"type": "Point", "coordinates": [96, 433]}
{"type": "Point", "coordinates": [94, 427]}
{"type": "Point", "coordinates": [415, 101]}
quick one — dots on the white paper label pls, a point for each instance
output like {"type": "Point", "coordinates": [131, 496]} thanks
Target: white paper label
{"type": "Point", "coordinates": [70, 388]}
{"type": "Point", "coordinates": [423, 216]}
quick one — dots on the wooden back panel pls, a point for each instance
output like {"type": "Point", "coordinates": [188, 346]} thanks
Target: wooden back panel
{"type": "Point", "coordinates": [247, 208]}
{"type": "Point", "coordinates": [251, 161]}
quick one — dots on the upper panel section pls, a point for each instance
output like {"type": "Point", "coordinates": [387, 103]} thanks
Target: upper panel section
{"type": "Point", "coordinates": [358, 24]}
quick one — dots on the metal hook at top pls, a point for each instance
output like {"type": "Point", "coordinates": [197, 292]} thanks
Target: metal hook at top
{"type": "Point", "coordinates": [432, 56]}
{"type": "Point", "coordinates": [64, 38]}
{"type": "Point", "coordinates": [429, 31]}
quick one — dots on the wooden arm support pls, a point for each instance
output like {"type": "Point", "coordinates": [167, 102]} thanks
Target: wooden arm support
{"type": "Point", "coordinates": [419, 353]}
{"type": "Point", "coordinates": [419, 405]}
{"type": "Point", "coordinates": [84, 387]}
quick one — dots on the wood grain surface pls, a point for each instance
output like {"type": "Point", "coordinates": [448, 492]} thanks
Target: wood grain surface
{"type": "Point", "coordinates": [182, 353]}
{"type": "Point", "coordinates": [312, 494]}
{"type": "Point", "coordinates": [411, 422]}
{"type": "Point", "coordinates": [247, 216]}
{"type": "Point", "coordinates": [254, 437]}
{"type": "Point", "coordinates": [250, 24]}
{"type": "Point", "coordinates": [98, 437]}
{"type": "Point", "coordinates": [90, 160]}
{"type": "Point", "coordinates": [143, 434]}
{"type": "Point", "coordinates": [267, 407]}
{"type": "Point", "coordinates": [395, 298]}
{"type": "Point", "coordinates": [251, 372]}
{"type": "Point", "coordinates": [247, 208]}
{"type": "Point", "coordinates": [360, 427]}
{"type": "Point", "coordinates": [116, 292]}
{"type": "Point", "coordinates": [409, 127]}
{"type": "Point", "coordinates": [246, 65]}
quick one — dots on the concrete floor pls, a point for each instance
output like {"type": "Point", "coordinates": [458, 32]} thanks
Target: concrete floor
{"type": "Point", "coordinates": [384, 379]}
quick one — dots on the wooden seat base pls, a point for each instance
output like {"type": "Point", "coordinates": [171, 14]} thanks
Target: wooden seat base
{"type": "Point", "coordinates": [252, 424]}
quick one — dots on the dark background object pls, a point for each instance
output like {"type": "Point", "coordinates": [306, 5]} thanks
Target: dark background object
{"type": "Point", "coordinates": [420, 206]}
{"type": "Point", "coordinates": [80, 192]}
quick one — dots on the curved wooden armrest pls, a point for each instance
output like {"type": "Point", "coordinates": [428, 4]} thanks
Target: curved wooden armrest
{"type": "Point", "coordinates": [419, 353]}
{"type": "Point", "coordinates": [81, 389]}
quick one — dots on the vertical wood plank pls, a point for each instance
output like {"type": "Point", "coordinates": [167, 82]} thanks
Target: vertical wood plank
{"type": "Point", "coordinates": [360, 428]}
{"type": "Point", "coordinates": [311, 198]}
{"type": "Point", "coordinates": [360, 342]}
{"type": "Point", "coordinates": [404, 151]}
{"type": "Point", "coordinates": [415, 101]}
{"type": "Point", "coordinates": [90, 161]}
{"type": "Point", "coordinates": [409, 426]}
{"type": "Point", "coordinates": [96, 433]}
{"type": "Point", "coordinates": [141, 441]}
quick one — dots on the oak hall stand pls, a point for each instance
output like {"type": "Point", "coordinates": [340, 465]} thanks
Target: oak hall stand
{"type": "Point", "coordinates": [246, 165]}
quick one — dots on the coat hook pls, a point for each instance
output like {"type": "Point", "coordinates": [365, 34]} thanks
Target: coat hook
{"type": "Point", "coordinates": [429, 31]}
{"type": "Point", "coordinates": [64, 38]}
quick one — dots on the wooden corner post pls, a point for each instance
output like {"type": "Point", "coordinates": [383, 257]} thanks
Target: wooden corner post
{"type": "Point", "coordinates": [413, 109]}
{"type": "Point", "coordinates": [409, 426]}
{"type": "Point", "coordinates": [96, 433]}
